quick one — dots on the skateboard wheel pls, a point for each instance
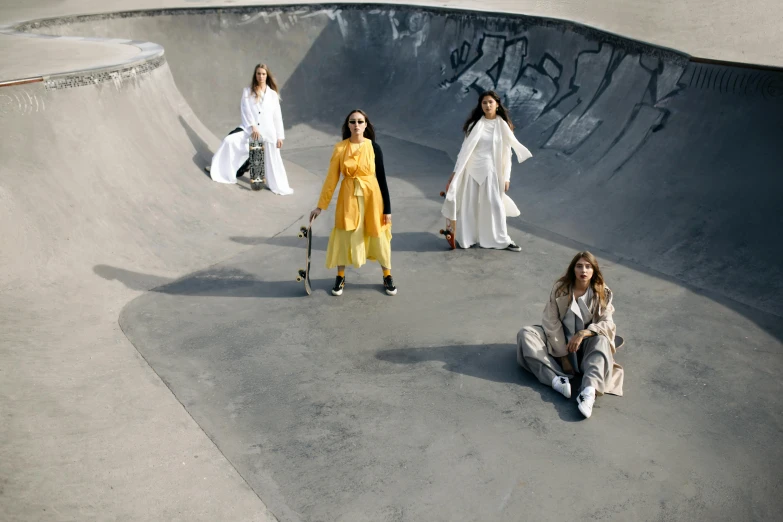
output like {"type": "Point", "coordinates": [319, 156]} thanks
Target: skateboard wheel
{"type": "Point", "coordinates": [443, 194]}
{"type": "Point", "coordinates": [298, 279]}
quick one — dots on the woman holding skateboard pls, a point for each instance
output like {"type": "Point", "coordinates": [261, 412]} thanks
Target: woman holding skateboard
{"type": "Point", "coordinates": [577, 334]}
{"type": "Point", "coordinates": [262, 120]}
{"type": "Point", "coordinates": [362, 220]}
{"type": "Point", "coordinates": [476, 191]}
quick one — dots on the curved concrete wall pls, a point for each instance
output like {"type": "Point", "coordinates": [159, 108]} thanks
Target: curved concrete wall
{"type": "Point", "coordinates": [743, 32]}
{"type": "Point", "coordinates": [675, 163]}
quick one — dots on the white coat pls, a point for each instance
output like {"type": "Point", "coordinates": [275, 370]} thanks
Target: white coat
{"type": "Point", "coordinates": [482, 202]}
{"type": "Point", "coordinates": [504, 142]}
{"type": "Point", "coordinates": [265, 114]}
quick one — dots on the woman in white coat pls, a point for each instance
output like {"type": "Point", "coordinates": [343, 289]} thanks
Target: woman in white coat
{"type": "Point", "coordinates": [476, 192]}
{"type": "Point", "coordinates": [261, 119]}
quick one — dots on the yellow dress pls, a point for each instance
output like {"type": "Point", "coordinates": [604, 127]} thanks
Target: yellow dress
{"type": "Point", "coordinates": [358, 234]}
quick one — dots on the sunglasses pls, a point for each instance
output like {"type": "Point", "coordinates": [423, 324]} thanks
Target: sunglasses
{"type": "Point", "coordinates": [356, 122]}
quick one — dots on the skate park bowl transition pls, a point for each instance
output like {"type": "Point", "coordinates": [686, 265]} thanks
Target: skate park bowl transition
{"type": "Point", "coordinates": [413, 407]}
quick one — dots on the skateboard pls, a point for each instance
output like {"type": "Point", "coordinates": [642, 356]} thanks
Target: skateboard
{"type": "Point", "coordinates": [257, 167]}
{"type": "Point", "coordinates": [304, 275]}
{"type": "Point", "coordinates": [448, 233]}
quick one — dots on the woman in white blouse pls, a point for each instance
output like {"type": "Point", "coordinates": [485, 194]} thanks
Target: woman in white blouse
{"type": "Point", "coordinates": [261, 119]}
{"type": "Point", "coordinates": [476, 191]}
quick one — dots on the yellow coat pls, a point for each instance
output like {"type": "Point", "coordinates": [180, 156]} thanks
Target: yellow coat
{"type": "Point", "coordinates": [358, 167]}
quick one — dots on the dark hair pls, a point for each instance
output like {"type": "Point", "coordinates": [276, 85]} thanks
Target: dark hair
{"type": "Point", "coordinates": [478, 112]}
{"type": "Point", "coordinates": [270, 80]}
{"type": "Point", "coordinates": [566, 283]}
{"type": "Point", "coordinates": [369, 131]}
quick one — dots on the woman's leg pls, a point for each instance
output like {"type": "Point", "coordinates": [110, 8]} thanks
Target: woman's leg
{"type": "Point", "coordinates": [339, 281]}
{"type": "Point", "coordinates": [379, 249]}
{"type": "Point", "coordinates": [467, 234]}
{"type": "Point", "coordinates": [491, 228]}
{"type": "Point", "coordinates": [229, 157]}
{"type": "Point", "coordinates": [597, 363]}
{"type": "Point", "coordinates": [533, 356]}
{"type": "Point", "coordinates": [276, 177]}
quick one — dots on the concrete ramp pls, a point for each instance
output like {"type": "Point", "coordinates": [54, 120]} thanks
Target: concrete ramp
{"type": "Point", "coordinates": [413, 408]}
{"type": "Point", "coordinates": [609, 120]}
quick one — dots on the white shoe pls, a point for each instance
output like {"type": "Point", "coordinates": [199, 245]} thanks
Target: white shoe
{"type": "Point", "coordinates": [586, 400]}
{"type": "Point", "coordinates": [562, 385]}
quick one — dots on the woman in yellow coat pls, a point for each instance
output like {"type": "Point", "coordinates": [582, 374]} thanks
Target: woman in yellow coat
{"type": "Point", "coordinates": [362, 219]}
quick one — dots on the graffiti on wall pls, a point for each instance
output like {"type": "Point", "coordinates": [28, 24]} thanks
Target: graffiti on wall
{"type": "Point", "coordinates": [568, 103]}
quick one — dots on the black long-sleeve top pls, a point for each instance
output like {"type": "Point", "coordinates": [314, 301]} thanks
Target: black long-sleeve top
{"type": "Point", "coordinates": [380, 173]}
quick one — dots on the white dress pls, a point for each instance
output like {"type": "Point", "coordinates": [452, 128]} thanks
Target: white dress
{"type": "Point", "coordinates": [265, 114]}
{"type": "Point", "coordinates": [481, 215]}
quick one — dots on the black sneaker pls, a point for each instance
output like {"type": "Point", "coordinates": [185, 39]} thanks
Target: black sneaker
{"type": "Point", "coordinates": [388, 284]}
{"type": "Point", "coordinates": [514, 247]}
{"type": "Point", "coordinates": [339, 284]}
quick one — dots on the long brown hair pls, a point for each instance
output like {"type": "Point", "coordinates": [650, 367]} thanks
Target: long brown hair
{"type": "Point", "coordinates": [478, 112]}
{"type": "Point", "coordinates": [565, 284]}
{"type": "Point", "coordinates": [369, 130]}
{"type": "Point", "coordinates": [270, 80]}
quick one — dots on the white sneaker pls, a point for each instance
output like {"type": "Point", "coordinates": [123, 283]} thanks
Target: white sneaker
{"type": "Point", "coordinates": [586, 400]}
{"type": "Point", "coordinates": [562, 385]}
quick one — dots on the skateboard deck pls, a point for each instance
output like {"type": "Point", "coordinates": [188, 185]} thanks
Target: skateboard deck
{"type": "Point", "coordinates": [257, 165]}
{"type": "Point", "coordinates": [448, 233]}
{"type": "Point", "coordinates": [304, 274]}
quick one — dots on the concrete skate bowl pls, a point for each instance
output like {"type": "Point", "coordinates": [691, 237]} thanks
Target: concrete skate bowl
{"type": "Point", "coordinates": [668, 167]}
{"type": "Point", "coordinates": [677, 163]}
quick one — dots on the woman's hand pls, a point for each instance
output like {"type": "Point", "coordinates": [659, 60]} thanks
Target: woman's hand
{"type": "Point", "coordinates": [576, 340]}
{"type": "Point", "coordinates": [279, 144]}
{"type": "Point", "coordinates": [508, 184]}
{"type": "Point", "coordinates": [255, 132]}
{"type": "Point", "coordinates": [448, 183]}
{"type": "Point", "coordinates": [387, 219]}
{"type": "Point", "coordinates": [315, 213]}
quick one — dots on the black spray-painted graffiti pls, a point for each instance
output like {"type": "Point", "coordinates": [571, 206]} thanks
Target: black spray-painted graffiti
{"type": "Point", "coordinates": [569, 103]}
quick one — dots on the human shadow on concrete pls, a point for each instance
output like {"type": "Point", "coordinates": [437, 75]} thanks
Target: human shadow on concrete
{"type": "Point", "coordinates": [401, 242]}
{"type": "Point", "coordinates": [203, 155]}
{"type": "Point", "coordinates": [213, 282]}
{"type": "Point", "coordinates": [490, 362]}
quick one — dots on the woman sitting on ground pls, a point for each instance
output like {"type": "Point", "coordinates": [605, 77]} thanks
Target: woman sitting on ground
{"type": "Point", "coordinates": [577, 334]}
{"type": "Point", "coordinates": [262, 120]}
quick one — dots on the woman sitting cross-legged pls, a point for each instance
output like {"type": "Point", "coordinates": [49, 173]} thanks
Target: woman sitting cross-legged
{"type": "Point", "coordinates": [577, 334]}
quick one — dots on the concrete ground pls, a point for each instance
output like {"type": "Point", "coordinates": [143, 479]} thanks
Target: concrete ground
{"type": "Point", "coordinates": [238, 393]}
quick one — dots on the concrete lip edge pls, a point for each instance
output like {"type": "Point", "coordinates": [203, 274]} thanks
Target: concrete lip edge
{"type": "Point", "coordinates": [147, 51]}
{"type": "Point", "coordinates": [150, 50]}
